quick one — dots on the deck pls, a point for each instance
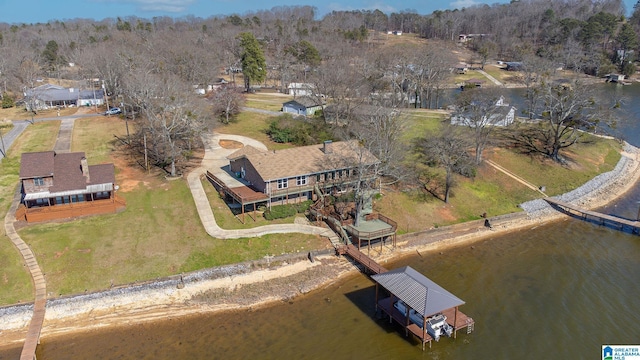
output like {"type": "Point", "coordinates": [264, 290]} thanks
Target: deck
{"type": "Point", "coordinates": [361, 258]}
{"type": "Point", "coordinates": [603, 218]}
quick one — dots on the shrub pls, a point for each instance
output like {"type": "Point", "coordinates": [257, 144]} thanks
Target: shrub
{"type": "Point", "coordinates": [283, 211]}
{"type": "Point", "coordinates": [280, 212]}
{"type": "Point", "coordinates": [7, 102]}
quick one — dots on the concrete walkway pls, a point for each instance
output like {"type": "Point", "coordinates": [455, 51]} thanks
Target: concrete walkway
{"type": "Point", "coordinates": [491, 78]}
{"type": "Point", "coordinates": [63, 142]}
{"type": "Point", "coordinates": [215, 159]}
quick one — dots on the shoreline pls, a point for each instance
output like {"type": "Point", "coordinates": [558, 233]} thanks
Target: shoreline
{"type": "Point", "coordinates": [244, 286]}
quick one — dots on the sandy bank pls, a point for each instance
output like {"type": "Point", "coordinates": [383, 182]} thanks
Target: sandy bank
{"type": "Point", "coordinates": [250, 285]}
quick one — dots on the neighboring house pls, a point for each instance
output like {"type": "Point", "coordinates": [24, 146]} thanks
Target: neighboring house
{"type": "Point", "coordinates": [63, 185]}
{"type": "Point", "coordinates": [301, 89]}
{"type": "Point", "coordinates": [48, 96]}
{"type": "Point", "coordinates": [201, 89]}
{"type": "Point", "coordinates": [615, 78]}
{"type": "Point", "coordinates": [514, 66]}
{"type": "Point", "coordinates": [504, 115]}
{"type": "Point", "coordinates": [304, 105]}
{"type": "Point", "coordinates": [291, 175]}
{"type": "Point", "coordinates": [462, 68]}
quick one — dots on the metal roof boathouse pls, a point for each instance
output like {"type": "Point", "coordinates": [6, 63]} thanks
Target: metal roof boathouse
{"type": "Point", "coordinates": [422, 300]}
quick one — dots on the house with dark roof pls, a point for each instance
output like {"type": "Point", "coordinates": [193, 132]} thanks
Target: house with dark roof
{"type": "Point", "coordinates": [64, 185]}
{"type": "Point", "coordinates": [304, 105]}
{"type": "Point", "coordinates": [47, 96]}
{"type": "Point", "coordinates": [291, 175]}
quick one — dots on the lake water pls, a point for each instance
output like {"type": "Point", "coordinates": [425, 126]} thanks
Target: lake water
{"type": "Point", "coordinates": [557, 291]}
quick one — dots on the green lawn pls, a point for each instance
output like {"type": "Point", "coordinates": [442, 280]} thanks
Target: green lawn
{"type": "Point", "coordinates": [14, 277]}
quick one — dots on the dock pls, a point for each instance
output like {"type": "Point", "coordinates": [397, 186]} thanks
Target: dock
{"type": "Point", "coordinates": [369, 264]}
{"type": "Point", "coordinates": [603, 219]}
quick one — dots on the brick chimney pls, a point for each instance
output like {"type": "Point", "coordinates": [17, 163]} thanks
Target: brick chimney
{"type": "Point", "coordinates": [84, 165]}
{"type": "Point", "coordinates": [328, 147]}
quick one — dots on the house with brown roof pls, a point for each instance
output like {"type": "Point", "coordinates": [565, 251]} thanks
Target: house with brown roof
{"type": "Point", "coordinates": [64, 185]}
{"type": "Point", "coordinates": [291, 175]}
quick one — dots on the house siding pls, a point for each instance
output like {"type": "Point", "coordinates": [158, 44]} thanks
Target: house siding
{"type": "Point", "coordinates": [29, 185]}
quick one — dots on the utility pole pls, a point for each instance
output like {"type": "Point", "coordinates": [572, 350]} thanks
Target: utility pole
{"type": "Point", "coordinates": [146, 161]}
{"type": "Point", "coordinates": [4, 150]}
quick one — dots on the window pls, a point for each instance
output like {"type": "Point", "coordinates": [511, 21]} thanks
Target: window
{"type": "Point", "coordinates": [283, 183]}
{"type": "Point", "coordinates": [38, 181]}
{"type": "Point", "coordinates": [301, 180]}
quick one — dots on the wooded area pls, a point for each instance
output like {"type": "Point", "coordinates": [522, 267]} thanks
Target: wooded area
{"type": "Point", "coordinates": [152, 67]}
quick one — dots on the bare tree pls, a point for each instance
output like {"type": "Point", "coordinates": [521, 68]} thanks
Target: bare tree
{"type": "Point", "coordinates": [448, 150]}
{"type": "Point", "coordinates": [480, 110]}
{"type": "Point", "coordinates": [567, 111]}
{"type": "Point", "coordinates": [227, 103]}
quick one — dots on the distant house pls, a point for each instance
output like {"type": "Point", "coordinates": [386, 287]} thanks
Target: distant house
{"type": "Point", "coordinates": [504, 115]}
{"type": "Point", "coordinates": [301, 89]}
{"type": "Point", "coordinates": [63, 185]}
{"type": "Point", "coordinates": [514, 66]}
{"type": "Point", "coordinates": [304, 105]}
{"type": "Point", "coordinates": [617, 78]}
{"type": "Point", "coordinates": [290, 175]}
{"type": "Point", "coordinates": [462, 68]}
{"type": "Point", "coordinates": [47, 96]}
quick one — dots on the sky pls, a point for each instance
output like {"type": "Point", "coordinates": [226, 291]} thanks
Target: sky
{"type": "Point", "coordinates": [42, 11]}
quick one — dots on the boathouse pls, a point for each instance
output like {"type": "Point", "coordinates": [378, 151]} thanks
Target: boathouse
{"type": "Point", "coordinates": [419, 296]}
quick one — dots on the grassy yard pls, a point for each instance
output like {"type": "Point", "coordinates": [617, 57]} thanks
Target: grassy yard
{"type": "Point", "coordinates": [15, 279]}
{"type": "Point", "coordinates": [158, 234]}
{"type": "Point", "coordinates": [492, 191]}
{"type": "Point", "coordinates": [253, 125]}
{"type": "Point", "coordinates": [96, 136]}
{"type": "Point", "coordinates": [267, 101]}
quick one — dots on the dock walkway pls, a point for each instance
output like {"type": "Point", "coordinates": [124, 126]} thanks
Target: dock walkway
{"type": "Point", "coordinates": [603, 218]}
{"type": "Point", "coordinates": [361, 258]}
{"type": "Point", "coordinates": [35, 326]}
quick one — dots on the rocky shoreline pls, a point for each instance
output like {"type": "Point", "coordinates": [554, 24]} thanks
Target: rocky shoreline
{"type": "Point", "coordinates": [264, 282]}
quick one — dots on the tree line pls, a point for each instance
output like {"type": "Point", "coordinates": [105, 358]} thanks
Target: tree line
{"type": "Point", "coordinates": [151, 66]}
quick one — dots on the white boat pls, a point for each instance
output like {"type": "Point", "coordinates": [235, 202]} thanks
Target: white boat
{"type": "Point", "coordinates": [436, 325]}
{"type": "Point", "coordinates": [413, 315]}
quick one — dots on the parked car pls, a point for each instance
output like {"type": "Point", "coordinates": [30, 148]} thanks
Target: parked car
{"type": "Point", "coordinates": [113, 111]}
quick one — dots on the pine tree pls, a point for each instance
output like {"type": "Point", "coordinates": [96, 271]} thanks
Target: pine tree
{"type": "Point", "coordinates": [254, 66]}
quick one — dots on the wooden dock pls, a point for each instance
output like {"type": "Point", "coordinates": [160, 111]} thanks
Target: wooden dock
{"type": "Point", "coordinates": [602, 218]}
{"type": "Point", "coordinates": [361, 258]}
{"type": "Point", "coordinates": [32, 338]}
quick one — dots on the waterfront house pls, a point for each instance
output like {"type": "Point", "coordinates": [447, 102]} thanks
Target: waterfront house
{"type": "Point", "coordinates": [63, 185]}
{"type": "Point", "coordinates": [291, 175]}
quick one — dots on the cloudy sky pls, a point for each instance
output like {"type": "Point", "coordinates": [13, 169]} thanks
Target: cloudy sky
{"type": "Point", "coordinates": [33, 11]}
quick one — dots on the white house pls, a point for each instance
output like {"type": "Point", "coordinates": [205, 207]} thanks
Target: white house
{"type": "Point", "coordinates": [504, 115]}
{"type": "Point", "coordinates": [301, 89]}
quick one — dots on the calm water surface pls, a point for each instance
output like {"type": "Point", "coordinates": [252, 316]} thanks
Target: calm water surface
{"type": "Point", "coordinates": [556, 291]}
